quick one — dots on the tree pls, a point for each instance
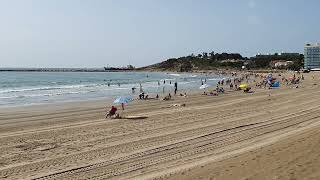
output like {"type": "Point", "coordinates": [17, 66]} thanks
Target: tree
{"type": "Point", "coordinates": [211, 54]}
{"type": "Point", "coordinates": [212, 57]}
{"type": "Point", "coordinates": [204, 55]}
{"type": "Point", "coordinates": [199, 55]}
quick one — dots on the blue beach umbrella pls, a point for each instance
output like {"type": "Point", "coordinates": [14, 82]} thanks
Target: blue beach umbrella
{"type": "Point", "coordinates": [276, 84]}
{"type": "Point", "coordinates": [123, 100]}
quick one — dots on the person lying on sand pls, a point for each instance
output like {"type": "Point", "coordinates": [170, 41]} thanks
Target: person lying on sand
{"type": "Point", "coordinates": [178, 105]}
{"type": "Point", "coordinates": [175, 105]}
{"type": "Point", "coordinates": [184, 95]}
{"type": "Point", "coordinates": [213, 94]}
{"type": "Point", "coordinates": [167, 97]}
{"type": "Point", "coordinates": [248, 90]}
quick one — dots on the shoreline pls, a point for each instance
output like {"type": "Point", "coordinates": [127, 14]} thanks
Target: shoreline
{"type": "Point", "coordinates": [100, 88]}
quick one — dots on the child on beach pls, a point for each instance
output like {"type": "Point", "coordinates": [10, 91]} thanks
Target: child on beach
{"type": "Point", "coordinates": [112, 112]}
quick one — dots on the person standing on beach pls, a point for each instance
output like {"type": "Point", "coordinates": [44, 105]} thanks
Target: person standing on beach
{"type": "Point", "coordinates": [158, 83]}
{"type": "Point", "coordinates": [175, 88]}
{"type": "Point", "coordinates": [164, 81]}
{"type": "Point", "coordinates": [141, 90]}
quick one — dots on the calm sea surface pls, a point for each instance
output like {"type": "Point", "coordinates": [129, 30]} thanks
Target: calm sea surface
{"type": "Point", "coordinates": [26, 88]}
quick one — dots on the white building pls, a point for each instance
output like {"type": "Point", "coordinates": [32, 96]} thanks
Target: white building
{"type": "Point", "coordinates": [312, 56]}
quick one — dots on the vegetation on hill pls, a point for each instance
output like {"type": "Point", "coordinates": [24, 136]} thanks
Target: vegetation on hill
{"type": "Point", "coordinates": [264, 61]}
{"type": "Point", "coordinates": [214, 61]}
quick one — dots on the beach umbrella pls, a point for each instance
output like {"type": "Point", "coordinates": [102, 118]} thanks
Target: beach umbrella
{"type": "Point", "coordinates": [276, 84]}
{"type": "Point", "coordinates": [244, 86]}
{"type": "Point", "coordinates": [205, 86]}
{"type": "Point", "coordinates": [122, 100]}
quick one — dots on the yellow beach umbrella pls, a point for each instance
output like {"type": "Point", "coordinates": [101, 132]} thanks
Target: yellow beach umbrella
{"type": "Point", "coordinates": [244, 86]}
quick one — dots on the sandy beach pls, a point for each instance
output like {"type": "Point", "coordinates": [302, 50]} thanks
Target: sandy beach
{"type": "Point", "coordinates": [268, 134]}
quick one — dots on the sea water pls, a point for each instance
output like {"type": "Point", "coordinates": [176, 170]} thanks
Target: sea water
{"type": "Point", "coordinates": [26, 88]}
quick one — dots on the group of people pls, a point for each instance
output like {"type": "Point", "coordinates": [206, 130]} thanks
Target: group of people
{"type": "Point", "coordinates": [259, 80]}
{"type": "Point", "coordinates": [143, 96]}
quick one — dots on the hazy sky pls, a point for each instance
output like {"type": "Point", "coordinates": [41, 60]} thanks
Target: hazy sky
{"type": "Point", "coordinates": [96, 33]}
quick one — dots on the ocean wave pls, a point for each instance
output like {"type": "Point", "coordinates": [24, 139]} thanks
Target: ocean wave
{"type": "Point", "coordinates": [215, 79]}
{"type": "Point", "coordinates": [8, 97]}
{"type": "Point", "coordinates": [39, 95]}
{"type": "Point", "coordinates": [43, 88]}
{"type": "Point", "coordinates": [175, 74]}
{"type": "Point", "coordinates": [93, 87]}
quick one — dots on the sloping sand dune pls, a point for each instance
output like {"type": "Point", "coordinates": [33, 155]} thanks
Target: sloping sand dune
{"type": "Point", "coordinates": [233, 136]}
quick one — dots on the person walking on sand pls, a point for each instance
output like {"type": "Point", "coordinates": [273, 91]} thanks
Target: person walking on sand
{"type": "Point", "coordinates": [175, 88]}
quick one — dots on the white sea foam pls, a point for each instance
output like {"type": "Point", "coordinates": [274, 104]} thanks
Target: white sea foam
{"type": "Point", "coordinates": [52, 88]}
{"type": "Point", "coordinates": [175, 74]}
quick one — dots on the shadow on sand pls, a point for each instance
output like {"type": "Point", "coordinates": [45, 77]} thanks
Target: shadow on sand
{"type": "Point", "coordinates": [134, 117]}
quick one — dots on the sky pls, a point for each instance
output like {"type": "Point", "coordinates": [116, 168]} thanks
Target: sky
{"type": "Point", "coordinates": [97, 33]}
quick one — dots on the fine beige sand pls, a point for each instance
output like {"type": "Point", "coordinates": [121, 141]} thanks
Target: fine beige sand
{"type": "Point", "coordinates": [269, 134]}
